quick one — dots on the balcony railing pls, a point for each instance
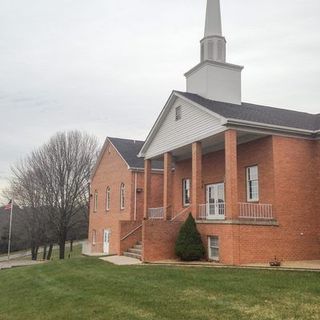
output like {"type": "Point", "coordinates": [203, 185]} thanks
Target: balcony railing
{"type": "Point", "coordinates": [214, 211]}
{"type": "Point", "coordinates": [256, 211]}
{"type": "Point", "coordinates": [156, 213]}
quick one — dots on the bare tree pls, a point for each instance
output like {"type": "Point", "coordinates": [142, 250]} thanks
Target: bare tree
{"type": "Point", "coordinates": [53, 182]}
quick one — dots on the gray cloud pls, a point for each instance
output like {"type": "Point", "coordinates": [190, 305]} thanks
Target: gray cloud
{"type": "Point", "coordinates": [108, 66]}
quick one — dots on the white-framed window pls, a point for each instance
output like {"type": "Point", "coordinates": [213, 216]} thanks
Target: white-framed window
{"type": "Point", "coordinates": [95, 201]}
{"type": "Point", "coordinates": [122, 196]}
{"type": "Point", "coordinates": [186, 186]}
{"type": "Point", "coordinates": [178, 113]}
{"type": "Point", "coordinates": [213, 248]}
{"type": "Point", "coordinates": [94, 237]}
{"type": "Point", "coordinates": [252, 184]}
{"type": "Point", "coordinates": [108, 198]}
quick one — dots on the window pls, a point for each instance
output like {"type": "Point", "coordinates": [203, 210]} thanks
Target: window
{"type": "Point", "coordinates": [122, 196]}
{"type": "Point", "coordinates": [252, 184]}
{"type": "Point", "coordinates": [108, 199]}
{"type": "Point", "coordinates": [178, 113]}
{"type": "Point", "coordinates": [94, 237]}
{"type": "Point", "coordinates": [95, 201]}
{"type": "Point", "coordinates": [186, 192]}
{"type": "Point", "coordinates": [213, 251]}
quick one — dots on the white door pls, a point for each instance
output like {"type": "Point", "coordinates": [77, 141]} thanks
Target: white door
{"type": "Point", "coordinates": [215, 201]}
{"type": "Point", "coordinates": [106, 241]}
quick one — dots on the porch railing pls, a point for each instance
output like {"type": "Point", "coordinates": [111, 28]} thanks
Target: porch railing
{"type": "Point", "coordinates": [255, 211]}
{"type": "Point", "coordinates": [212, 211]}
{"type": "Point", "coordinates": [156, 213]}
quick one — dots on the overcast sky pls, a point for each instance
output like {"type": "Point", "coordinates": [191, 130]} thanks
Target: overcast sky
{"type": "Point", "coordinates": [108, 66]}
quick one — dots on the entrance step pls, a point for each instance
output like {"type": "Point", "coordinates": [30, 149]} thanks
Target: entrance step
{"type": "Point", "coordinates": [134, 252]}
{"type": "Point", "coordinates": [132, 255]}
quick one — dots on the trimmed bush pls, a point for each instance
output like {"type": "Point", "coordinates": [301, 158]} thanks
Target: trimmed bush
{"type": "Point", "coordinates": [189, 246]}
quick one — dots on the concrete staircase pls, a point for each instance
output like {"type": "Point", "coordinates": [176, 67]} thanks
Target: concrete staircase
{"type": "Point", "coordinates": [135, 252]}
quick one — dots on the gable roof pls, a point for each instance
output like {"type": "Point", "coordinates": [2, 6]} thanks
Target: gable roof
{"type": "Point", "coordinates": [129, 149]}
{"type": "Point", "coordinates": [246, 115]}
{"type": "Point", "coordinates": [258, 113]}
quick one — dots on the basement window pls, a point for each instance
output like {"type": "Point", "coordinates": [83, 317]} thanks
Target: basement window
{"type": "Point", "coordinates": [178, 113]}
{"type": "Point", "coordinates": [213, 250]}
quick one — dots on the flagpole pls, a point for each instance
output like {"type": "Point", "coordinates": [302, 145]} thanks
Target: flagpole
{"type": "Point", "coordinates": [10, 230]}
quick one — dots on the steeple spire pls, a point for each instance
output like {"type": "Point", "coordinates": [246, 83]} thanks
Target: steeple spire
{"type": "Point", "coordinates": [213, 78]}
{"type": "Point", "coordinates": [213, 45]}
{"type": "Point", "coordinates": [213, 19]}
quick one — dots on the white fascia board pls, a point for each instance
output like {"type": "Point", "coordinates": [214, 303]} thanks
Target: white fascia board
{"type": "Point", "coordinates": [164, 111]}
{"type": "Point", "coordinates": [156, 125]}
{"type": "Point", "coordinates": [225, 65]}
{"type": "Point", "coordinates": [221, 118]}
{"type": "Point", "coordinates": [270, 127]}
{"type": "Point", "coordinates": [190, 141]}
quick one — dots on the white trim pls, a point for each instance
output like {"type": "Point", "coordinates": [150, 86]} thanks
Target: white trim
{"type": "Point", "coordinates": [174, 95]}
{"type": "Point", "coordinates": [135, 196]}
{"type": "Point", "coordinates": [122, 196]}
{"type": "Point", "coordinates": [184, 191]}
{"type": "Point", "coordinates": [225, 65]}
{"type": "Point", "coordinates": [190, 141]}
{"type": "Point", "coordinates": [255, 199]}
{"type": "Point", "coordinates": [108, 198]}
{"type": "Point", "coordinates": [216, 247]}
{"type": "Point", "coordinates": [269, 126]}
{"type": "Point", "coordinates": [95, 201]}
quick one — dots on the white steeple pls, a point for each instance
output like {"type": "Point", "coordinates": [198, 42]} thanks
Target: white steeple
{"type": "Point", "coordinates": [213, 19]}
{"type": "Point", "coordinates": [213, 78]}
{"type": "Point", "coordinates": [213, 45]}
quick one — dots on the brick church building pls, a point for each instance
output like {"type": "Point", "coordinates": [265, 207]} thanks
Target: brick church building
{"type": "Point", "coordinates": [249, 174]}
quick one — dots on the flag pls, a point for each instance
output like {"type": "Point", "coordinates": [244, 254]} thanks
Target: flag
{"type": "Point", "coordinates": [8, 206]}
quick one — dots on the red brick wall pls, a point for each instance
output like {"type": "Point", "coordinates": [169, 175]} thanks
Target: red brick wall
{"type": "Point", "coordinates": [159, 238]}
{"type": "Point", "coordinates": [125, 228]}
{"type": "Point", "coordinates": [289, 178]}
{"type": "Point", "coordinates": [112, 171]}
{"type": "Point", "coordinates": [259, 152]}
{"type": "Point", "coordinates": [297, 197]}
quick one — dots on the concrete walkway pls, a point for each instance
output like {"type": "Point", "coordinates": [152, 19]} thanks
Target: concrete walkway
{"type": "Point", "coordinates": [121, 260]}
{"type": "Point", "coordinates": [305, 265]}
{"type": "Point", "coordinates": [18, 263]}
{"type": "Point", "coordinates": [311, 265]}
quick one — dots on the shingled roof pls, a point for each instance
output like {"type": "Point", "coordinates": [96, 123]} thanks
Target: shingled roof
{"type": "Point", "coordinates": [259, 114]}
{"type": "Point", "coordinates": [129, 150]}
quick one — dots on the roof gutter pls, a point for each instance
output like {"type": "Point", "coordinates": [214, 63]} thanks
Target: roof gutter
{"type": "Point", "coordinates": [270, 127]}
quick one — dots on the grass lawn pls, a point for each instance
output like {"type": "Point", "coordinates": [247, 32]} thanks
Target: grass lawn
{"type": "Point", "coordinates": [87, 288]}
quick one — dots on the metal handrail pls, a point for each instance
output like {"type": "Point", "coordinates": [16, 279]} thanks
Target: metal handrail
{"type": "Point", "coordinates": [255, 211]}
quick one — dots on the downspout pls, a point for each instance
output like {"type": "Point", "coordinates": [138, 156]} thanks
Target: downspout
{"type": "Point", "coordinates": [135, 197]}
